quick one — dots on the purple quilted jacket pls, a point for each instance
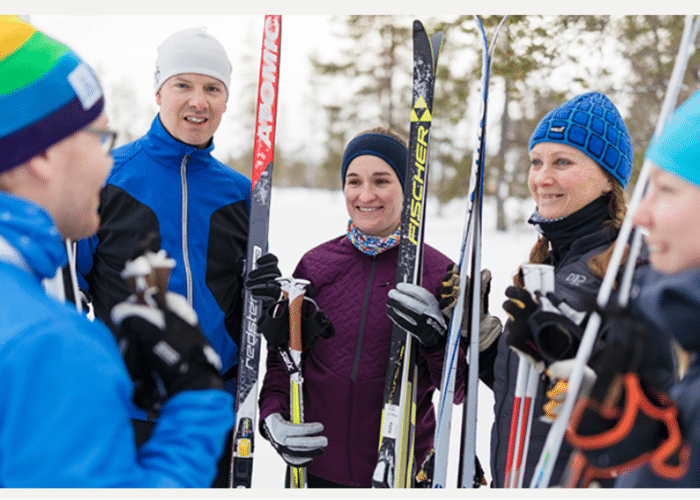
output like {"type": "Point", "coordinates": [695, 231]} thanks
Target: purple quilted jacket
{"type": "Point", "coordinates": [344, 375]}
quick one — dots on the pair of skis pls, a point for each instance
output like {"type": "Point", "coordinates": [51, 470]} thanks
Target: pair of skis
{"type": "Point", "coordinates": [555, 437]}
{"type": "Point", "coordinates": [395, 464]}
{"type": "Point", "coordinates": [469, 266]}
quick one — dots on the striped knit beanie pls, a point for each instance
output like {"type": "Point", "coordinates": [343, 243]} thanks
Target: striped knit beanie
{"type": "Point", "coordinates": [46, 92]}
{"type": "Point", "coordinates": [592, 124]}
{"type": "Point", "coordinates": [677, 148]}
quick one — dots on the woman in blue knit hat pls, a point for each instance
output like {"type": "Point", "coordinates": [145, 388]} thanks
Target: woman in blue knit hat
{"type": "Point", "coordinates": [581, 160]}
{"type": "Point", "coordinates": [353, 276]}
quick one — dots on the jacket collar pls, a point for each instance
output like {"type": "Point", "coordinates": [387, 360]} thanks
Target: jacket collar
{"type": "Point", "coordinates": [170, 152]}
{"type": "Point", "coordinates": [29, 239]}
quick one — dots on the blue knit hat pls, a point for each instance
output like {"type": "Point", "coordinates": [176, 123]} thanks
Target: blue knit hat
{"type": "Point", "coordinates": [382, 146]}
{"type": "Point", "coordinates": [46, 92]}
{"type": "Point", "coordinates": [592, 124]}
{"type": "Point", "coordinates": [677, 148]}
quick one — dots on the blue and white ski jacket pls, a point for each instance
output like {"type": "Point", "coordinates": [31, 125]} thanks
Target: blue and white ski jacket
{"type": "Point", "coordinates": [199, 207]}
{"type": "Point", "coordinates": [65, 393]}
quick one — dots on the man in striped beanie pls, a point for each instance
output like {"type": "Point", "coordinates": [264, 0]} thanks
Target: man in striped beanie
{"type": "Point", "coordinates": [65, 389]}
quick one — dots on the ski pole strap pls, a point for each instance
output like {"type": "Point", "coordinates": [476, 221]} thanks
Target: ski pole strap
{"type": "Point", "coordinates": [629, 428]}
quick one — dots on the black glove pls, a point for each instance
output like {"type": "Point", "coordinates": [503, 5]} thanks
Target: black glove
{"type": "Point", "coordinates": [159, 333]}
{"type": "Point", "coordinates": [556, 328]}
{"type": "Point", "coordinates": [416, 310]}
{"type": "Point", "coordinates": [519, 306]}
{"type": "Point", "coordinates": [274, 323]}
{"type": "Point", "coordinates": [295, 443]}
{"type": "Point", "coordinates": [261, 281]}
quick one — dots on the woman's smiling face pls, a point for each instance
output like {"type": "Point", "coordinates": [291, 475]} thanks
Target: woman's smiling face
{"type": "Point", "coordinates": [373, 195]}
{"type": "Point", "coordinates": [563, 179]}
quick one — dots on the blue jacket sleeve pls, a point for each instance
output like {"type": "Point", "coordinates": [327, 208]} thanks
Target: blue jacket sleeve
{"type": "Point", "coordinates": [66, 421]}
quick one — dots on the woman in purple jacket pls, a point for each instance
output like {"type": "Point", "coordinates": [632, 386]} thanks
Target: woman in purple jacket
{"type": "Point", "coordinates": [352, 277]}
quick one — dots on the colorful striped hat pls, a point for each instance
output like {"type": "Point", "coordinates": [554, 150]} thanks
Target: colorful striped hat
{"type": "Point", "coordinates": [677, 148]}
{"type": "Point", "coordinates": [592, 124]}
{"type": "Point", "coordinates": [46, 92]}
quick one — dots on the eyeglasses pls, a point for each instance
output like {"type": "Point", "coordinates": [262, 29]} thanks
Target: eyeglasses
{"type": "Point", "coordinates": [107, 137]}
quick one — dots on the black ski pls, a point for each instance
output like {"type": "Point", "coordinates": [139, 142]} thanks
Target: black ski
{"type": "Point", "coordinates": [241, 474]}
{"type": "Point", "coordinates": [395, 464]}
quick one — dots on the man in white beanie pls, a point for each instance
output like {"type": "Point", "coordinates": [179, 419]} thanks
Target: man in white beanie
{"type": "Point", "coordinates": [168, 183]}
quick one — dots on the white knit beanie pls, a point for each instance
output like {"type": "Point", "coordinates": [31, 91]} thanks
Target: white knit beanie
{"type": "Point", "coordinates": [192, 51]}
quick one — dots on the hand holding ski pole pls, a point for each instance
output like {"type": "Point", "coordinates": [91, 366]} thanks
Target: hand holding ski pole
{"type": "Point", "coordinates": [297, 444]}
{"type": "Point", "coordinates": [559, 373]}
{"type": "Point", "coordinates": [159, 335]}
{"type": "Point", "coordinates": [520, 305]}
{"type": "Point", "coordinates": [416, 310]}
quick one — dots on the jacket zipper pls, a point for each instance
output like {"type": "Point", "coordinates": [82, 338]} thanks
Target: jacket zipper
{"type": "Point", "coordinates": [183, 222]}
{"type": "Point", "coordinates": [363, 320]}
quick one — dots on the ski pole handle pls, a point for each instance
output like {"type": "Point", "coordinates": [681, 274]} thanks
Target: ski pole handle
{"type": "Point", "coordinates": [294, 290]}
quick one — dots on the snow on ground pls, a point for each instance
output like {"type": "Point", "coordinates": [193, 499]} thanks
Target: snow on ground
{"type": "Point", "coordinates": [303, 218]}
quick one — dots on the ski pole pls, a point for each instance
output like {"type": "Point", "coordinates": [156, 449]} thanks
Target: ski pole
{"type": "Point", "coordinates": [294, 290]}
{"type": "Point", "coordinates": [528, 410]}
{"type": "Point", "coordinates": [516, 419]}
{"type": "Point", "coordinates": [537, 277]}
{"type": "Point", "coordinates": [550, 451]}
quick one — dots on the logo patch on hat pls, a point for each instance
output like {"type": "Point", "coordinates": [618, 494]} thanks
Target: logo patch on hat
{"type": "Point", "coordinates": [85, 86]}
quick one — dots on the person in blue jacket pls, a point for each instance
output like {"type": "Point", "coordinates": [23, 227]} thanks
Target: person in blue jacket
{"type": "Point", "coordinates": [65, 390]}
{"type": "Point", "coordinates": [669, 213]}
{"type": "Point", "coordinates": [168, 182]}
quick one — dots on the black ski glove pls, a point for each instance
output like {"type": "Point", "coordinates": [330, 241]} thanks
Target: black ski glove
{"type": "Point", "coordinates": [158, 335]}
{"type": "Point", "coordinates": [261, 281]}
{"type": "Point", "coordinates": [297, 444]}
{"type": "Point", "coordinates": [274, 323]}
{"type": "Point", "coordinates": [556, 328]}
{"type": "Point", "coordinates": [416, 310]}
{"type": "Point", "coordinates": [519, 307]}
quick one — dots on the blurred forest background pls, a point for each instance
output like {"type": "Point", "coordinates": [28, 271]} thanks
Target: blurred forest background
{"type": "Point", "coordinates": [539, 62]}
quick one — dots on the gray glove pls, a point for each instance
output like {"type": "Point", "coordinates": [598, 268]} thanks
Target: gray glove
{"type": "Point", "coordinates": [490, 327]}
{"type": "Point", "coordinates": [296, 443]}
{"type": "Point", "coordinates": [416, 310]}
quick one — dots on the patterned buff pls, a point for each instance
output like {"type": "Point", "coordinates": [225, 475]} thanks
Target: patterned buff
{"type": "Point", "coordinates": [46, 92]}
{"type": "Point", "coordinates": [371, 245]}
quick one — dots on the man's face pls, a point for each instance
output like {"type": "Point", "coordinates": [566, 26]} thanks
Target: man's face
{"type": "Point", "coordinates": [191, 107]}
{"type": "Point", "coordinates": [81, 166]}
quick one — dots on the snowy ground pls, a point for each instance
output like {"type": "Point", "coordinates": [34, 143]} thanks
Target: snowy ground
{"type": "Point", "coordinates": [303, 218]}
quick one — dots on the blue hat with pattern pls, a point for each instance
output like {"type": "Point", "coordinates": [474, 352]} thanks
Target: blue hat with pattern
{"type": "Point", "coordinates": [677, 148]}
{"type": "Point", "coordinates": [592, 124]}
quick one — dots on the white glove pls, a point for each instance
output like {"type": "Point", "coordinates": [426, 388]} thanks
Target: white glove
{"type": "Point", "coordinates": [296, 443]}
